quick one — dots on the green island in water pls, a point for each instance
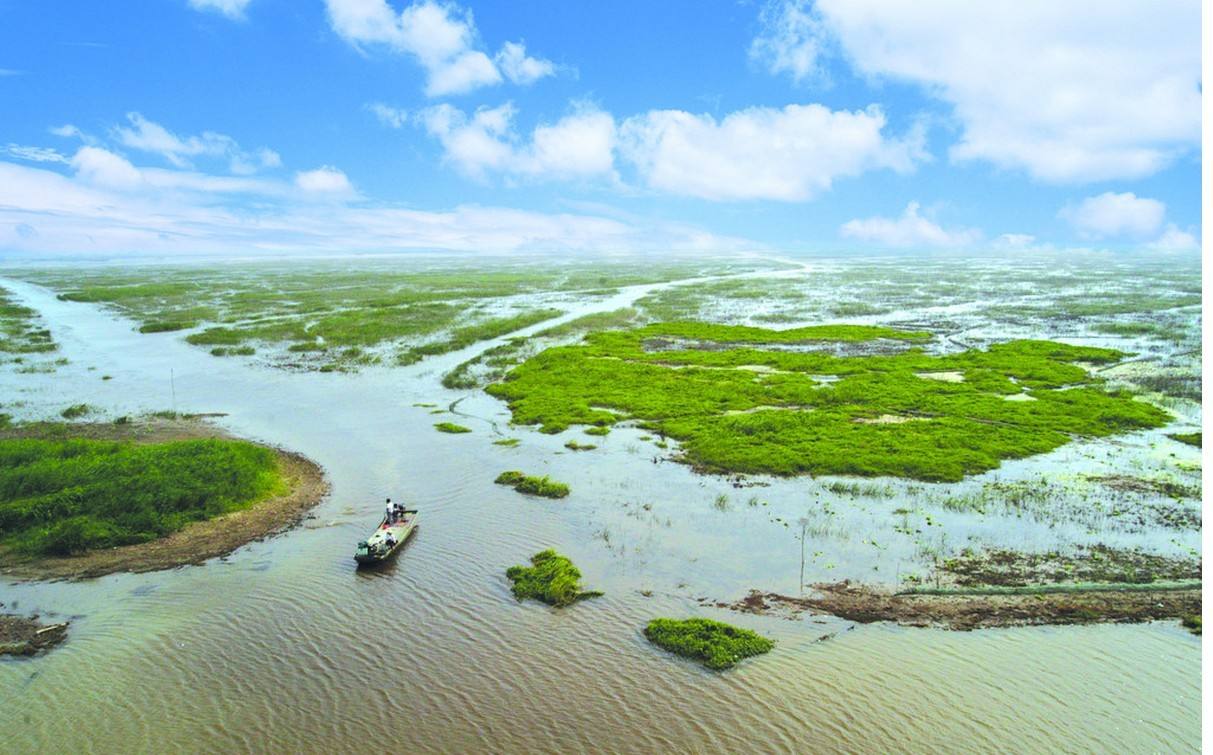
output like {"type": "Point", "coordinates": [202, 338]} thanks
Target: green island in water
{"type": "Point", "coordinates": [831, 399]}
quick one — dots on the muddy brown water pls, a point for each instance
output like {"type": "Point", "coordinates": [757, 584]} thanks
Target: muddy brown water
{"type": "Point", "coordinates": [284, 646]}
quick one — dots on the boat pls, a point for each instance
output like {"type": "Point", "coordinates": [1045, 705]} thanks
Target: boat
{"type": "Point", "coordinates": [386, 539]}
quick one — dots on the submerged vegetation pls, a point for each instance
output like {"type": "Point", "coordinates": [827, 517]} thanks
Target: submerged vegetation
{"type": "Point", "coordinates": [551, 578]}
{"type": "Point", "coordinates": [827, 399]}
{"type": "Point", "coordinates": [540, 486]}
{"type": "Point", "coordinates": [713, 643]}
{"type": "Point", "coordinates": [67, 496]}
{"type": "Point", "coordinates": [23, 336]}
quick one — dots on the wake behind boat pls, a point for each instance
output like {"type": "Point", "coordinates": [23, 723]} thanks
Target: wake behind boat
{"type": "Point", "coordinates": [391, 533]}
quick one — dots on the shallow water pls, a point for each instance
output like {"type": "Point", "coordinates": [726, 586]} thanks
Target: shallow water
{"type": "Point", "coordinates": [283, 646]}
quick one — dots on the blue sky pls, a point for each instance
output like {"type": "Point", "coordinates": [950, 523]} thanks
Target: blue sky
{"type": "Point", "coordinates": [293, 126]}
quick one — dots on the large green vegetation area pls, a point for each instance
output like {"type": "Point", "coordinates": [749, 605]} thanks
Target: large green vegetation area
{"type": "Point", "coordinates": [329, 316]}
{"type": "Point", "coordinates": [838, 399]}
{"type": "Point", "coordinates": [61, 496]}
{"type": "Point", "coordinates": [551, 578]}
{"type": "Point", "coordinates": [715, 644]}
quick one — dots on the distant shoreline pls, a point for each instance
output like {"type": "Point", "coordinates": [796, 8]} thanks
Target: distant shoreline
{"type": "Point", "coordinates": [196, 542]}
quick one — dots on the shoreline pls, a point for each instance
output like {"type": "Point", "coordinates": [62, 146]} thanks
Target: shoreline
{"type": "Point", "coordinates": [969, 610]}
{"type": "Point", "coordinates": [195, 543]}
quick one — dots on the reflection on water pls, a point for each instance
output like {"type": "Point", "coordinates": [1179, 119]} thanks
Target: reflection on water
{"type": "Point", "coordinates": [284, 646]}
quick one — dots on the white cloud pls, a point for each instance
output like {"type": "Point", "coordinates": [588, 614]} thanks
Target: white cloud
{"type": "Point", "coordinates": [392, 117]}
{"type": "Point", "coordinates": [579, 145]}
{"type": "Point", "coordinates": [149, 136]}
{"type": "Point", "coordinates": [791, 40]}
{"type": "Point", "coordinates": [1074, 91]}
{"type": "Point", "coordinates": [1015, 241]}
{"type": "Point", "coordinates": [443, 39]}
{"type": "Point", "coordinates": [229, 8]}
{"type": "Point", "coordinates": [519, 67]}
{"type": "Point", "coordinates": [324, 180]}
{"type": "Point", "coordinates": [911, 229]}
{"type": "Point", "coordinates": [1174, 239]}
{"type": "Point", "coordinates": [104, 168]}
{"type": "Point", "coordinates": [791, 154]}
{"type": "Point", "coordinates": [1111, 214]}
{"type": "Point", "coordinates": [35, 154]}
{"type": "Point", "coordinates": [94, 212]}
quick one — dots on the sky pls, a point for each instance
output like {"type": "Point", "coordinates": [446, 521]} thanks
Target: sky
{"type": "Point", "coordinates": [281, 127]}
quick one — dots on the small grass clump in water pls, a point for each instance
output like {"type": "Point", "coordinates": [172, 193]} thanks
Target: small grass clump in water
{"type": "Point", "coordinates": [65, 496]}
{"type": "Point", "coordinates": [1192, 439]}
{"type": "Point", "coordinates": [598, 431]}
{"type": "Point", "coordinates": [76, 411]}
{"type": "Point", "coordinates": [573, 445]}
{"type": "Point", "coordinates": [550, 578]}
{"type": "Point", "coordinates": [451, 427]}
{"type": "Point", "coordinates": [507, 442]}
{"type": "Point", "coordinates": [540, 486]}
{"type": "Point", "coordinates": [1192, 623]}
{"type": "Point", "coordinates": [713, 643]}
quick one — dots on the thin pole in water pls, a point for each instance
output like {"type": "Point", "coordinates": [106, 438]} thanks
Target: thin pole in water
{"type": "Point", "coordinates": [172, 384]}
{"type": "Point", "coordinates": [804, 523]}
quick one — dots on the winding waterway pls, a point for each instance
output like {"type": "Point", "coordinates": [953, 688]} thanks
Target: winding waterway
{"type": "Point", "coordinates": [283, 646]}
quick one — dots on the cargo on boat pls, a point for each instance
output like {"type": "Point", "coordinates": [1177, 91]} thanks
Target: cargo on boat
{"type": "Point", "coordinates": [387, 538]}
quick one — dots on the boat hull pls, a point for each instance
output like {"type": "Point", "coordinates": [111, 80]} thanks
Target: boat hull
{"type": "Point", "coordinates": [379, 552]}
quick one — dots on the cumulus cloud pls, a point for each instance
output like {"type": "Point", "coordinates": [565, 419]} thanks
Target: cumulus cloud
{"type": "Point", "coordinates": [579, 145]}
{"type": "Point", "coordinates": [791, 40]}
{"type": "Point", "coordinates": [1074, 91]}
{"type": "Point", "coordinates": [788, 154]}
{"type": "Point", "coordinates": [1174, 239]}
{"type": "Point", "coordinates": [149, 136]}
{"type": "Point", "coordinates": [443, 39]}
{"type": "Point", "coordinates": [113, 207]}
{"type": "Point", "coordinates": [324, 180]}
{"type": "Point", "coordinates": [1111, 214]}
{"type": "Point", "coordinates": [909, 230]}
{"type": "Point", "coordinates": [230, 8]}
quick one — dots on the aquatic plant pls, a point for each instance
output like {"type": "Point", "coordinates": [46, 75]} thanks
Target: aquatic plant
{"type": "Point", "coordinates": [598, 430]}
{"type": "Point", "coordinates": [1192, 439]}
{"type": "Point", "coordinates": [540, 486]}
{"type": "Point", "coordinates": [737, 400]}
{"type": "Point", "coordinates": [75, 411]}
{"type": "Point", "coordinates": [573, 445]}
{"type": "Point", "coordinates": [551, 578]}
{"type": "Point", "coordinates": [64, 496]}
{"type": "Point", "coordinates": [1192, 623]}
{"type": "Point", "coordinates": [451, 427]}
{"type": "Point", "coordinates": [507, 442]}
{"type": "Point", "coordinates": [166, 326]}
{"type": "Point", "coordinates": [713, 643]}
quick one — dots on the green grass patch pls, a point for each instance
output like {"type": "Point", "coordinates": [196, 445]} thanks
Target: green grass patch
{"type": "Point", "coordinates": [713, 643]}
{"type": "Point", "coordinates": [742, 399]}
{"type": "Point", "coordinates": [599, 430]}
{"type": "Point", "coordinates": [1192, 439]}
{"type": "Point", "coordinates": [1192, 623]}
{"type": "Point", "coordinates": [507, 442]}
{"type": "Point", "coordinates": [551, 578]}
{"type": "Point", "coordinates": [573, 445]}
{"type": "Point", "coordinates": [451, 427]}
{"type": "Point", "coordinates": [66, 496]}
{"type": "Point", "coordinates": [166, 326]}
{"type": "Point", "coordinates": [76, 411]}
{"type": "Point", "coordinates": [531, 485]}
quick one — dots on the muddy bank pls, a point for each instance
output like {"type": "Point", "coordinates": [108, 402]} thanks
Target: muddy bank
{"type": "Point", "coordinates": [196, 542]}
{"type": "Point", "coordinates": [20, 635]}
{"type": "Point", "coordinates": [978, 611]}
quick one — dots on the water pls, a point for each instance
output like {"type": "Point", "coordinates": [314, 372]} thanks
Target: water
{"type": "Point", "coordinates": [283, 646]}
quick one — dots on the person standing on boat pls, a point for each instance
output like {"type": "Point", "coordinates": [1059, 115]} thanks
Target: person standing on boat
{"type": "Point", "coordinates": [390, 517]}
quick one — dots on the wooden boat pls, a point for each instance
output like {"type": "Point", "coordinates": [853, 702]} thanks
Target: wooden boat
{"type": "Point", "coordinates": [386, 539]}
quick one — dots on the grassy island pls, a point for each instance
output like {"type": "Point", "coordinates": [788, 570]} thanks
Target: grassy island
{"type": "Point", "coordinates": [531, 485]}
{"type": "Point", "coordinates": [713, 643]}
{"type": "Point", "coordinates": [835, 399]}
{"type": "Point", "coordinates": [64, 497]}
{"type": "Point", "coordinates": [451, 427]}
{"type": "Point", "coordinates": [551, 578]}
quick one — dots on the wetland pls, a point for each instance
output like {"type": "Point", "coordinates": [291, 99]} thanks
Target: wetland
{"type": "Point", "coordinates": [822, 467]}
